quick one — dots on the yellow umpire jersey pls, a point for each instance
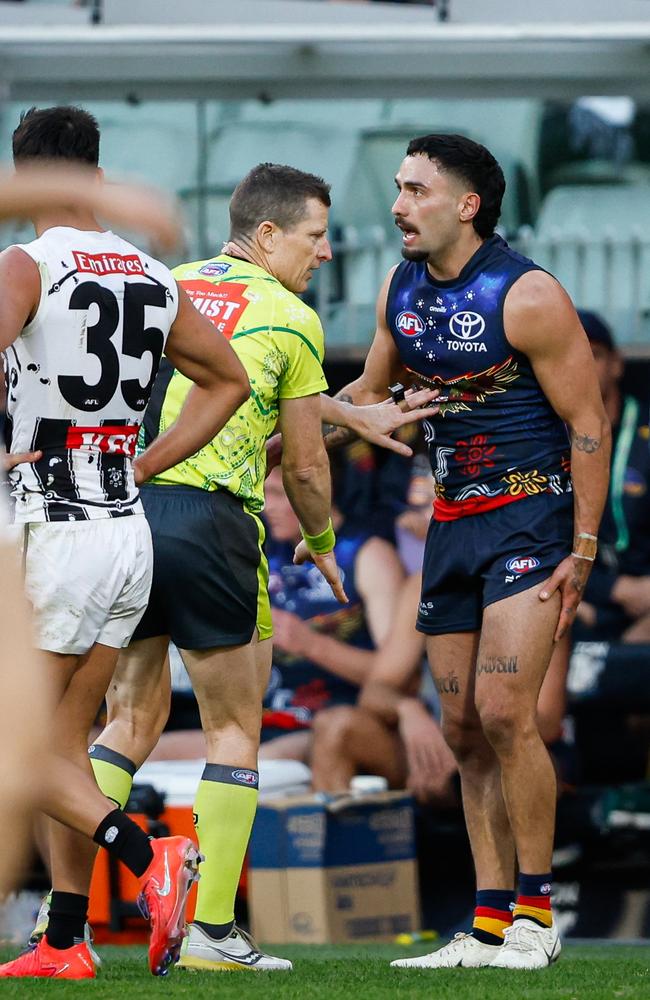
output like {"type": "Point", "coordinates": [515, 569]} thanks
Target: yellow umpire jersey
{"type": "Point", "coordinates": [278, 339]}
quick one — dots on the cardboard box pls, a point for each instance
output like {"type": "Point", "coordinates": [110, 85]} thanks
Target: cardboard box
{"type": "Point", "coordinates": [333, 870]}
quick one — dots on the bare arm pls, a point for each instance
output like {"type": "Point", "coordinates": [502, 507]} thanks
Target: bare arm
{"type": "Point", "coordinates": [36, 188]}
{"type": "Point", "coordinates": [391, 693]}
{"type": "Point", "coordinates": [382, 368]}
{"type": "Point", "coordinates": [395, 670]}
{"type": "Point", "coordinates": [540, 321]}
{"type": "Point", "coordinates": [293, 635]}
{"type": "Point", "coordinates": [306, 476]}
{"type": "Point", "coordinates": [220, 387]}
{"type": "Point", "coordinates": [378, 576]}
{"type": "Point", "coordinates": [21, 291]}
{"type": "Point", "coordinates": [363, 408]}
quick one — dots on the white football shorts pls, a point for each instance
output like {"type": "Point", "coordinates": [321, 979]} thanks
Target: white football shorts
{"type": "Point", "coordinates": [88, 581]}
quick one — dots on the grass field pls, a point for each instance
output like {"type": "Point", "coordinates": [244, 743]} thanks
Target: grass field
{"type": "Point", "coordinates": [585, 972]}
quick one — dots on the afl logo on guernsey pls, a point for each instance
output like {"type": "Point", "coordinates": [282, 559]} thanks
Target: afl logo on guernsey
{"type": "Point", "coordinates": [522, 564]}
{"type": "Point", "coordinates": [410, 324]}
{"type": "Point", "coordinates": [467, 325]}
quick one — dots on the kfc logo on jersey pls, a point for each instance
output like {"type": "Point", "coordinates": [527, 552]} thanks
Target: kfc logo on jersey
{"type": "Point", "coordinates": [522, 564]}
{"type": "Point", "coordinates": [410, 324]}
{"type": "Point", "coordinates": [108, 263]}
{"type": "Point", "coordinates": [111, 440]}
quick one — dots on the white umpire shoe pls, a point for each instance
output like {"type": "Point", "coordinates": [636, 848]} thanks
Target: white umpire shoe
{"type": "Point", "coordinates": [527, 945]}
{"type": "Point", "coordinates": [237, 951]}
{"type": "Point", "coordinates": [464, 951]}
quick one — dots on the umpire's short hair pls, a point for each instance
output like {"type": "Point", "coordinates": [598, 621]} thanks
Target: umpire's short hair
{"type": "Point", "coordinates": [274, 193]}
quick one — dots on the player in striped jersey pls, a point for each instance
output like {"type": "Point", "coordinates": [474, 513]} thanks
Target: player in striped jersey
{"type": "Point", "coordinates": [84, 317]}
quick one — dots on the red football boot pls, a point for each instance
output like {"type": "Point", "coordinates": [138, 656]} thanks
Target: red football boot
{"type": "Point", "coordinates": [163, 899]}
{"type": "Point", "coordinates": [46, 962]}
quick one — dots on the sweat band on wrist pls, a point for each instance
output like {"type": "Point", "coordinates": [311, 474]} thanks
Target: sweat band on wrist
{"type": "Point", "coordinates": [322, 543]}
{"type": "Point", "coordinates": [585, 546]}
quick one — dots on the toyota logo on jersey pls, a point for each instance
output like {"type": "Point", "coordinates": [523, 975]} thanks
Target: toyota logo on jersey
{"type": "Point", "coordinates": [522, 564]}
{"type": "Point", "coordinates": [467, 325]}
{"type": "Point", "coordinates": [410, 324]}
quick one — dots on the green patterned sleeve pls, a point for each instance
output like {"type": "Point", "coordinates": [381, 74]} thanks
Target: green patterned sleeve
{"type": "Point", "coordinates": [305, 348]}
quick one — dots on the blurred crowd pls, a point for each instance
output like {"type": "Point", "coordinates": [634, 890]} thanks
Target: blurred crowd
{"type": "Point", "coordinates": [350, 690]}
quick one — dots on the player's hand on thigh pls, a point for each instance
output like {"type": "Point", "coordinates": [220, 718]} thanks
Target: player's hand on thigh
{"type": "Point", "coordinates": [569, 580]}
{"type": "Point", "coordinates": [326, 563]}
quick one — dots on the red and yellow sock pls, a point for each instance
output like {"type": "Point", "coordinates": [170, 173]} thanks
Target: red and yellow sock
{"type": "Point", "coordinates": [534, 899]}
{"type": "Point", "coordinates": [493, 913]}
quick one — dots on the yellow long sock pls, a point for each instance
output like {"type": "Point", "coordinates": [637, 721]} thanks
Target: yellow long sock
{"type": "Point", "coordinates": [113, 773]}
{"type": "Point", "coordinates": [224, 810]}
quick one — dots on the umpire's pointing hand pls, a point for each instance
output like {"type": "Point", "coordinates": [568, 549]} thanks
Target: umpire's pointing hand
{"type": "Point", "coordinates": [326, 563]}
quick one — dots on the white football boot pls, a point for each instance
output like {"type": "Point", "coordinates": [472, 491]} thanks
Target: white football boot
{"type": "Point", "coordinates": [464, 951]}
{"type": "Point", "coordinates": [237, 951]}
{"type": "Point", "coordinates": [527, 945]}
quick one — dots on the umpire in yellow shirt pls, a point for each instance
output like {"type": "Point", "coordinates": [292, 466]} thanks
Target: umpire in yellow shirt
{"type": "Point", "coordinates": [209, 593]}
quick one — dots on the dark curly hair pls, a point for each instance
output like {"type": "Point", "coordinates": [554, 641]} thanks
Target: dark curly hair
{"type": "Point", "coordinates": [61, 133]}
{"type": "Point", "coordinates": [471, 163]}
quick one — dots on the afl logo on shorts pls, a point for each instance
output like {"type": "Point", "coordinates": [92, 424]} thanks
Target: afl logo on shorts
{"type": "Point", "coordinates": [522, 564]}
{"type": "Point", "coordinates": [409, 324]}
{"type": "Point", "coordinates": [467, 325]}
{"type": "Point", "coordinates": [245, 777]}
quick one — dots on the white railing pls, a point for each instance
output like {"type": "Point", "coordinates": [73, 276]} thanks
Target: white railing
{"type": "Point", "coordinates": [610, 275]}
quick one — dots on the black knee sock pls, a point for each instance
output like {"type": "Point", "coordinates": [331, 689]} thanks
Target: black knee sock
{"type": "Point", "coordinates": [124, 839]}
{"type": "Point", "coordinates": [68, 914]}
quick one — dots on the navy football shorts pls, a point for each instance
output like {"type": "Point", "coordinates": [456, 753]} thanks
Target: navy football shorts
{"type": "Point", "coordinates": [482, 558]}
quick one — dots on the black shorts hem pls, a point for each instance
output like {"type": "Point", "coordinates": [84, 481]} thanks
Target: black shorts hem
{"type": "Point", "coordinates": [446, 629]}
{"type": "Point", "coordinates": [215, 641]}
{"type": "Point", "coordinates": [520, 586]}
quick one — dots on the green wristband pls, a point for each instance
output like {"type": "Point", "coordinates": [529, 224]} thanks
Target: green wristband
{"type": "Point", "coordinates": [320, 544]}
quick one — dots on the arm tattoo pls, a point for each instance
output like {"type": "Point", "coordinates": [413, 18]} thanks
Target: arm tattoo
{"type": "Point", "coordinates": [334, 436]}
{"type": "Point", "coordinates": [585, 443]}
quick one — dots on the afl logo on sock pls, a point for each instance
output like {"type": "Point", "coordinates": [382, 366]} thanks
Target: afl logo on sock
{"type": "Point", "coordinates": [545, 888]}
{"type": "Point", "coordinates": [245, 777]}
{"type": "Point", "coordinates": [410, 324]}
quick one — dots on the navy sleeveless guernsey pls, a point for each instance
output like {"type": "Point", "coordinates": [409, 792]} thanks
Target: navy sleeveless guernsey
{"type": "Point", "coordinates": [497, 439]}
